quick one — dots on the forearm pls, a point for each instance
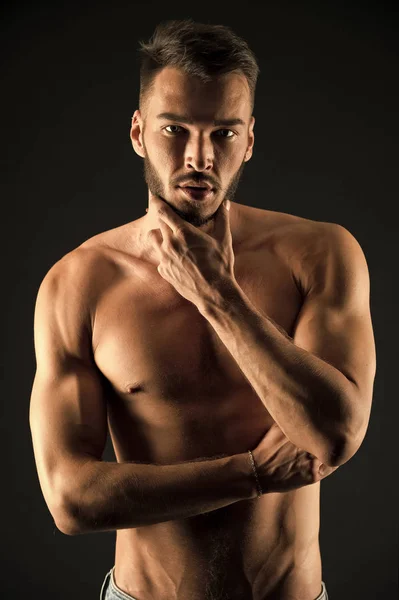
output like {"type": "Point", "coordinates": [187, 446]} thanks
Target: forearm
{"type": "Point", "coordinates": [305, 396]}
{"type": "Point", "coordinates": [110, 496]}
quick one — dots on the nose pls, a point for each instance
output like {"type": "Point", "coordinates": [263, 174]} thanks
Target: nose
{"type": "Point", "coordinates": [199, 154]}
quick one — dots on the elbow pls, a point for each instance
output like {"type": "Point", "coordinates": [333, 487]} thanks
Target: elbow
{"type": "Point", "coordinates": [343, 450]}
{"type": "Point", "coordinates": [67, 526]}
{"type": "Point", "coordinates": [347, 440]}
{"type": "Point", "coordinates": [337, 458]}
{"type": "Point", "coordinates": [65, 519]}
{"type": "Point", "coordinates": [72, 506]}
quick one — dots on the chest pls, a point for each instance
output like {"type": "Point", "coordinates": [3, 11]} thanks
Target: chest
{"type": "Point", "coordinates": [147, 335]}
{"type": "Point", "coordinates": [163, 359]}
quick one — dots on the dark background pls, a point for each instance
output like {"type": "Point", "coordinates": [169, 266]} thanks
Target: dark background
{"type": "Point", "coordinates": [325, 149]}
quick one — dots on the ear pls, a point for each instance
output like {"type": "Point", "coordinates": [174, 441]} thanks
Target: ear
{"type": "Point", "coordinates": [136, 133]}
{"type": "Point", "coordinates": [251, 139]}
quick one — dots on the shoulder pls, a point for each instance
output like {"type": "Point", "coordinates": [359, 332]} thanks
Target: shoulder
{"type": "Point", "coordinates": [314, 240]}
{"type": "Point", "coordinates": [277, 227]}
{"type": "Point", "coordinates": [324, 254]}
{"type": "Point", "coordinates": [310, 248]}
{"type": "Point", "coordinates": [70, 288]}
{"type": "Point", "coordinates": [72, 270]}
{"type": "Point", "coordinates": [89, 262]}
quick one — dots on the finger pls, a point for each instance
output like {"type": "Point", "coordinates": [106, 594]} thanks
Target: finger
{"type": "Point", "coordinates": [322, 469]}
{"type": "Point", "coordinates": [156, 238]}
{"type": "Point", "coordinates": [165, 213]}
{"type": "Point", "coordinates": [165, 230]}
{"type": "Point", "coordinates": [222, 222]}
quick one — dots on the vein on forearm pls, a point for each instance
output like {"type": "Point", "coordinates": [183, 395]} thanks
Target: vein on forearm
{"type": "Point", "coordinates": [303, 393]}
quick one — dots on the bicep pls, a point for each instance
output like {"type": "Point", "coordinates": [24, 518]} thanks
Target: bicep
{"type": "Point", "coordinates": [68, 417]}
{"type": "Point", "coordinates": [335, 320]}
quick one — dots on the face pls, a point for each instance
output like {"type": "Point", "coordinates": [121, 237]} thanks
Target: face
{"type": "Point", "coordinates": [175, 150]}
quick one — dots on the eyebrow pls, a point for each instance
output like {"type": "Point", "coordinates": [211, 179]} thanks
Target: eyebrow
{"type": "Point", "coordinates": [174, 117]}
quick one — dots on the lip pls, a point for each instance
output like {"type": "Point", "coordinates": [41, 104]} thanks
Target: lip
{"type": "Point", "coordinates": [193, 183]}
{"type": "Point", "coordinates": [196, 194]}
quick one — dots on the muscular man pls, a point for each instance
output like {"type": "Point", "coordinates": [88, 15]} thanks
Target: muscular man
{"type": "Point", "coordinates": [194, 334]}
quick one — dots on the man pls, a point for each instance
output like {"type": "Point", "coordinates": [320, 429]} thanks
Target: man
{"type": "Point", "coordinates": [196, 333]}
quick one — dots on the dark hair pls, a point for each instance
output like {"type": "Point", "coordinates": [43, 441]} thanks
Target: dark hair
{"type": "Point", "coordinates": [198, 49]}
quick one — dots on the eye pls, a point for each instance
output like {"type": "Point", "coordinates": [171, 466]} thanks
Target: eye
{"type": "Point", "coordinates": [227, 136]}
{"type": "Point", "coordinates": [172, 126]}
{"type": "Point", "coordinates": [218, 131]}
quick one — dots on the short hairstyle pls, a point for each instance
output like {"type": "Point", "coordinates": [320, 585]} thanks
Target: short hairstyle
{"type": "Point", "coordinates": [198, 49]}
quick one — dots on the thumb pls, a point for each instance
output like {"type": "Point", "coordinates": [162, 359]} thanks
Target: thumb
{"type": "Point", "coordinates": [222, 221]}
{"type": "Point", "coordinates": [322, 469]}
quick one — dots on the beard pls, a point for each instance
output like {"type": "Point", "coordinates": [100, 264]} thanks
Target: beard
{"type": "Point", "coordinates": [192, 214]}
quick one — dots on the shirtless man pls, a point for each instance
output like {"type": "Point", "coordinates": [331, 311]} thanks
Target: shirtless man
{"type": "Point", "coordinates": [195, 334]}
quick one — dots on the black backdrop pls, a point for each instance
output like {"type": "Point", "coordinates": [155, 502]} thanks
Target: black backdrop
{"type": "Point", "coordinates": [325, 133]}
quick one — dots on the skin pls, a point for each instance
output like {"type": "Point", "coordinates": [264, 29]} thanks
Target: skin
{"type": "Point", "coordinates": [240, 539]}
{"type": "Point", "coordinates": [174, 392]}
{"type": "Point", "coordinates": [172, 158]}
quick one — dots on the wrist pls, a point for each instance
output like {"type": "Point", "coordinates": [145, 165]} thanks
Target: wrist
{"type": "Point", "coordinates": [255, 474]}
{"type": "Point", "coordinates": [243, 464]}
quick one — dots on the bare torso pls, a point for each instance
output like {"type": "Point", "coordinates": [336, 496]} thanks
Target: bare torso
{"type": "Point", "coordinates": [175, 394]}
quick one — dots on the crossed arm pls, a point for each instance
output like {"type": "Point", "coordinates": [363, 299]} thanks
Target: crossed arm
{"type": "Point", "coordinates": [318, 384]}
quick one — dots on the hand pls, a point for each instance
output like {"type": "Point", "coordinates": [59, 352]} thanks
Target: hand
{"type": "Point", "coordinates": [282, 467]}
{"type": "Point", "coordinates": [195, 263]}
